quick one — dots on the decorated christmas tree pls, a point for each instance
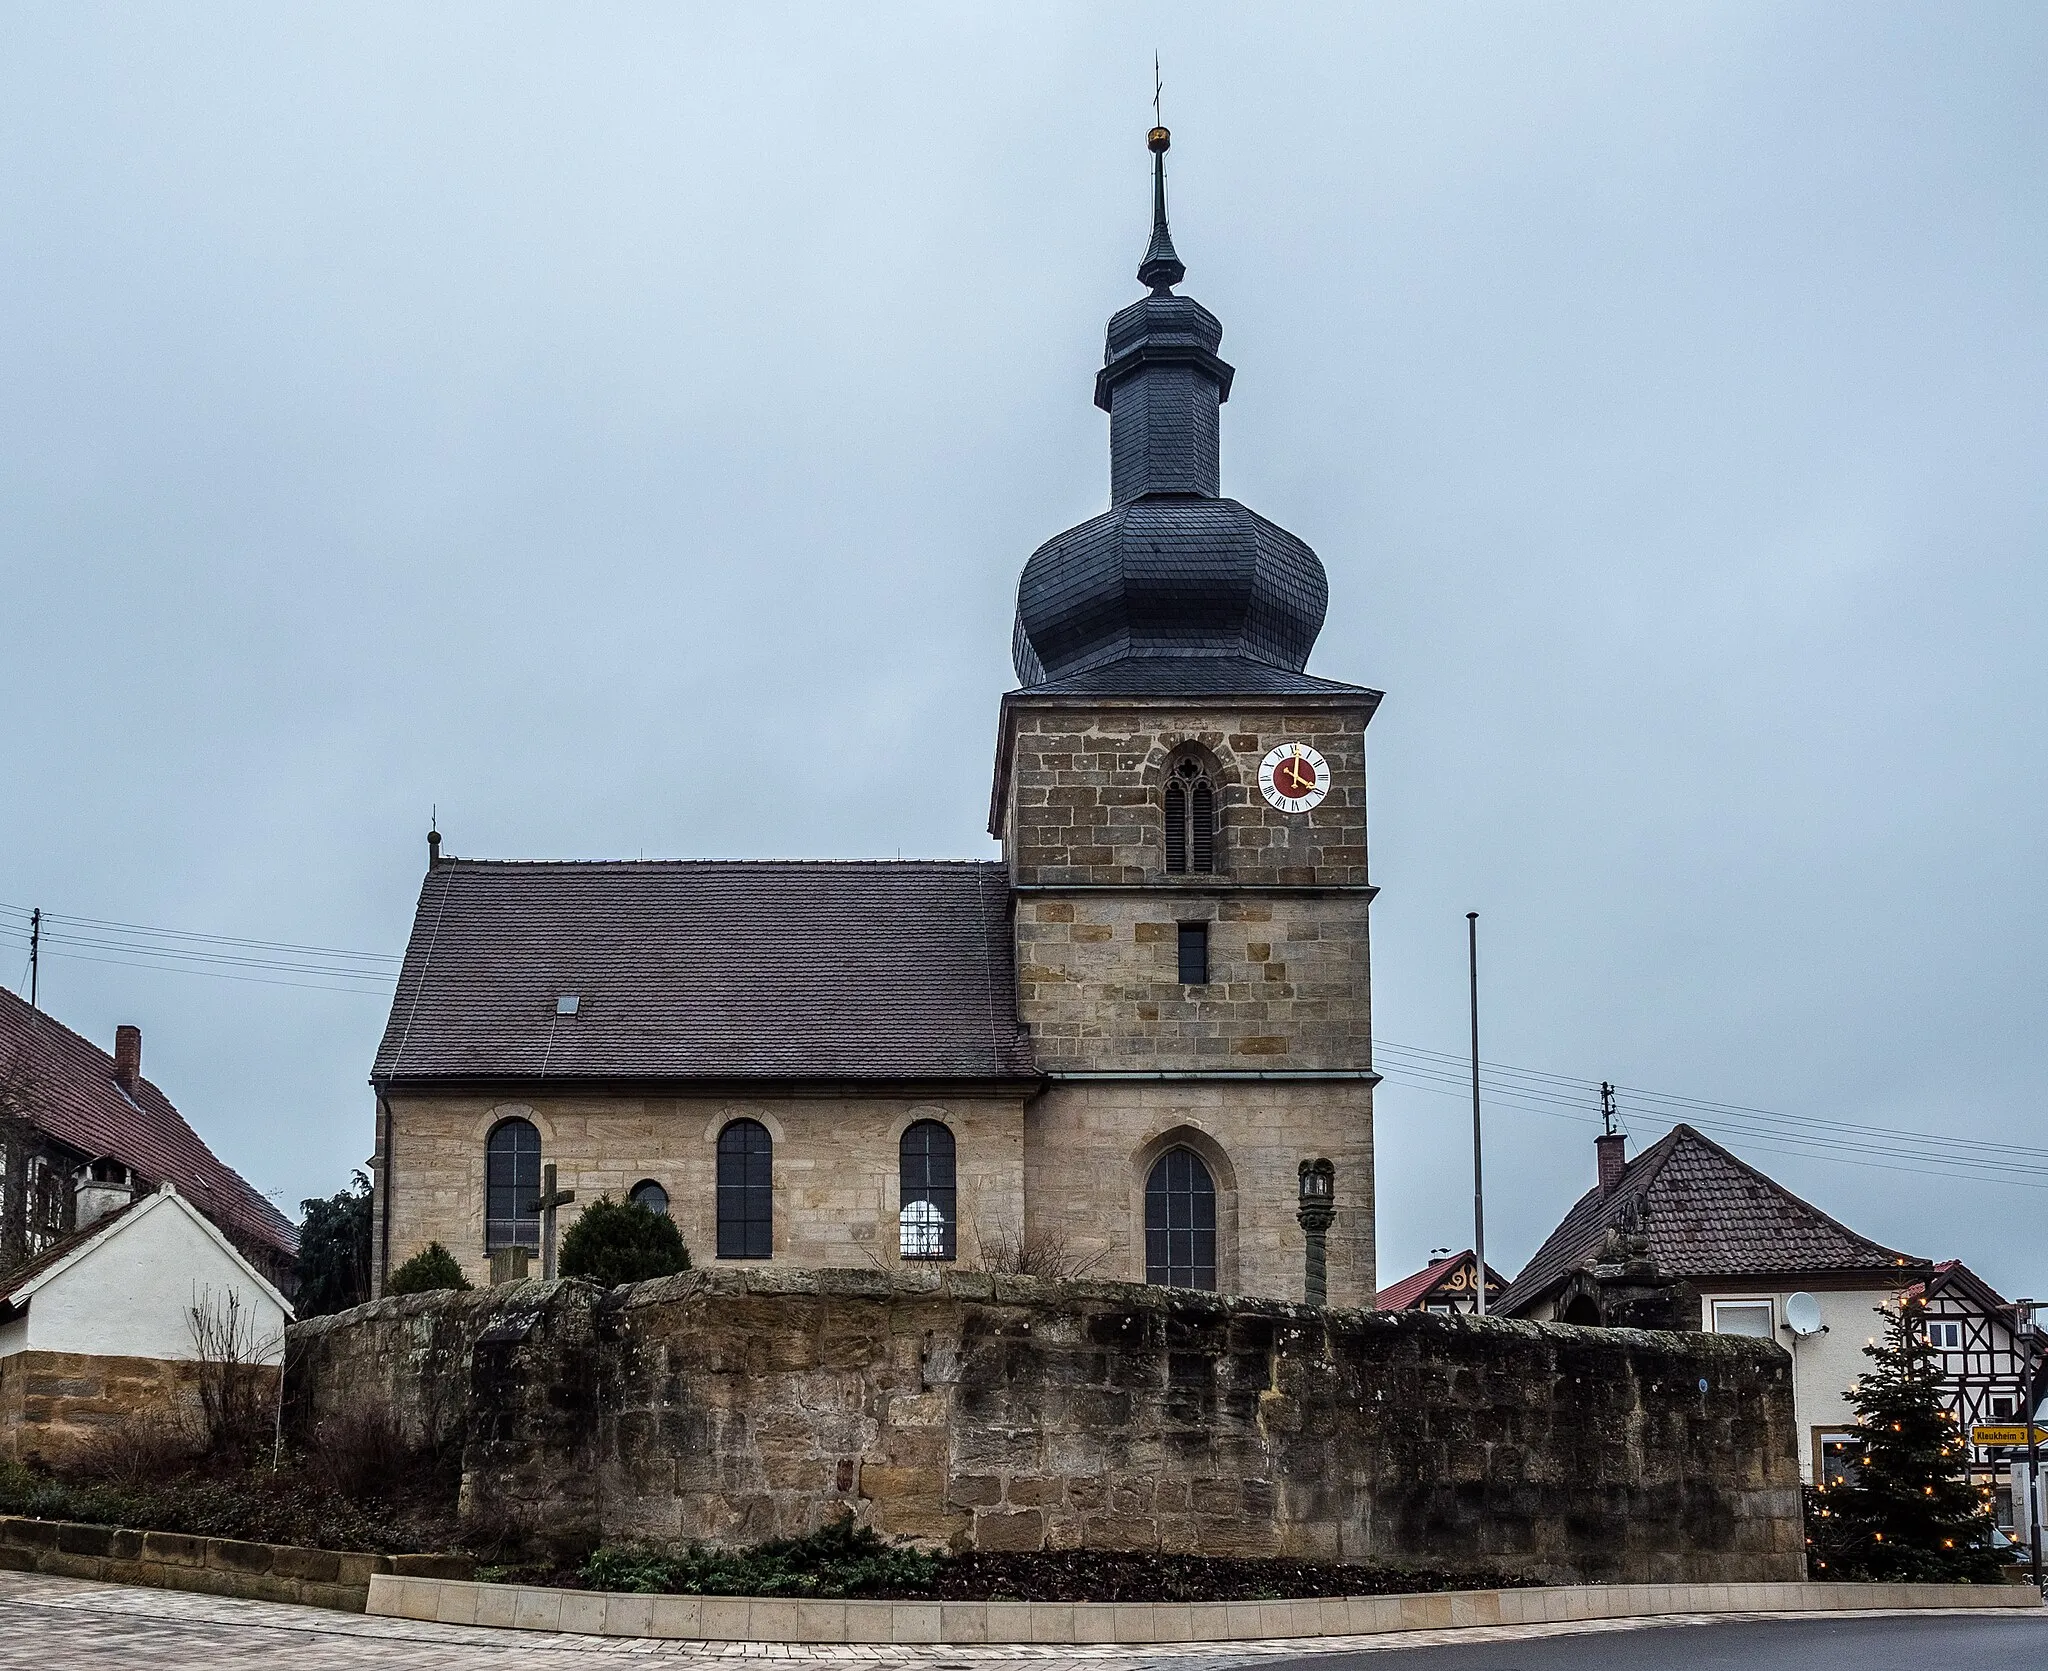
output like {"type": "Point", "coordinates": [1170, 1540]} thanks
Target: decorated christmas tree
{"type": "Point", "coordinates": [1907, 1511]}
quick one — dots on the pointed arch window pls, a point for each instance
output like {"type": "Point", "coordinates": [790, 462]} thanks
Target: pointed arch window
{"type": "Point", "coordinates": [746, 1191]}
{"type": "Point", "coordinates": [511, 1185]}
{"type": "Point", "coordinates": [929, 1195]}
{"type": "Point", "coordinates": [1190, 820]}
{"type": "Point", "coordinates": [1180, 1222]}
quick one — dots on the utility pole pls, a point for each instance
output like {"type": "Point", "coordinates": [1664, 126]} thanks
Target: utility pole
{"type": "Point", "coordinates": [1478, 1169]}
{"type": "Point", "coordinates": [35, 952]}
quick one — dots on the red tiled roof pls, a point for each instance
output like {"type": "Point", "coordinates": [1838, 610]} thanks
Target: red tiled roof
{"type": "Point", "coordinates": [1706, 1214]}
{"type": "Point", "coordinates": [1409, 1289]}
{"type": "Point", "coordinates": [65, 1086]}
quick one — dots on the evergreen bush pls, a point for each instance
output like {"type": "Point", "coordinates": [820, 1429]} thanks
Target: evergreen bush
{"type": "Point", "coordinates": [622, 1241]}
{"type": "Point", "coordinates": [1907, 1512]}
{"type": "Point", "coordinates": [431, 1268]}
{"type": "Point", "coordinates": [334, 1251]}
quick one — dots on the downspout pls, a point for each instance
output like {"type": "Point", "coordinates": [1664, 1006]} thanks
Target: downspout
{"type": "Point", "coordinates": [386, 1134]}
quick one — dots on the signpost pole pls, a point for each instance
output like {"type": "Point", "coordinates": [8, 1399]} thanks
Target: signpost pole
{"type": "Point", "coordinates": [2030, 1334]}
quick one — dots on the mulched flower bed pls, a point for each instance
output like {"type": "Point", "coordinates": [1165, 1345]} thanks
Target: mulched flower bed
{"type": "Point", "coordinates": [844, 1561]}
{"type": "Point", "coordinates": [1088, 1575]}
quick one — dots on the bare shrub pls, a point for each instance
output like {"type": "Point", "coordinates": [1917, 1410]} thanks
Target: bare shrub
{"type": "Point", "coordinates": [236, 1393]}
{"type": "Point", "coordinates": [1007, 1251]}
{"type": "Point", "coordinates": [359, 1450]}
{"type": "Point", "coordinates": [149, 1447]}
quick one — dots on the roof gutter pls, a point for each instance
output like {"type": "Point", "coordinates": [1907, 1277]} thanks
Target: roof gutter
{"type": "Point", "coordinates": [1360, 1076]}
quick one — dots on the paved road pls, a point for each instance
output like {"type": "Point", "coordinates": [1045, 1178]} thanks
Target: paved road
{"type": "Point", "coordinates": [61, 1624]}
{"type": "Point", "coordinates": [1893, 1643]}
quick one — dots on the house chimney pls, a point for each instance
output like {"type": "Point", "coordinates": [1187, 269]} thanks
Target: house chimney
{"type": "Point", "coordinates": [1611, 1149]}
{"type": "Point", "coordinates": [127, 1056]}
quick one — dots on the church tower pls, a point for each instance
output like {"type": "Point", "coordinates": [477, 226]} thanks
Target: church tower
{"type": "Point", "coordinates": [1182, 813]}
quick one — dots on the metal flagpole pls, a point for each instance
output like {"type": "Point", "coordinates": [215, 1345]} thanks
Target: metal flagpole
{"type": "Point", "coordinates": [1478, 1171]}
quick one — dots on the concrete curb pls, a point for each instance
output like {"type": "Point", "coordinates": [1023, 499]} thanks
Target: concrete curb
{"type": "Point", "coordinates": [209, 1566]}
{"type": "Point", "coordinates": [952, 1623]}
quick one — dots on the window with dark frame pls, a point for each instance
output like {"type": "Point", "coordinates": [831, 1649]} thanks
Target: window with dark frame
{"type": "Point", "coordinates": [1190, 821]}
{"type": "Point", "coordinates": [1194, 954]}
{"type": "Point", "coordinates": [1180, 1222]}
{"type": "Point", "coordinates": [746, 1191]}
{"type": "Point", "coordinates": [511, 1186]}
{"type": "Point", "coordinates": [928, 1196]}
{"type": "Point", "coordinates": [649, 1194]}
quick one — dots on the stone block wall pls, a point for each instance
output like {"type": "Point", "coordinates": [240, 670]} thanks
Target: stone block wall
{"type": "Point", "coordinates": [976, 1412]}
{"type": "Point", "coordinates": [1081, 788]}
{"type": "Point", "coordinates": [835, 1165]}
{"type": "Point", "coordinates": [1289, 987]}
{"type": "Point", "coordinates": [53, 1405]}
{"type": "Point", "coordinates": [1088, 1145]}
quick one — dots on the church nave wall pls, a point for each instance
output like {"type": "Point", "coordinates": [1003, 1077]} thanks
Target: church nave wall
{"type": "Point", "coordinates": [835, 1166]}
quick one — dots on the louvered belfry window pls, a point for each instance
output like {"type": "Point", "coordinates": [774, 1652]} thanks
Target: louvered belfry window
{"type": "Point", "coordinates": [1190, 821]}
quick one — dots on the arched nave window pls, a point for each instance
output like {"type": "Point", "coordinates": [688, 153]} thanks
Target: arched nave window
{"type": "Point", "coordinates": [511, 1185]}
{"type": "Point", "coordinates": [1180, 1222]}
{"type": "Point", "coordinates": [746, 1191]}
{"type": "Point", "coordinates": [928, 1198]}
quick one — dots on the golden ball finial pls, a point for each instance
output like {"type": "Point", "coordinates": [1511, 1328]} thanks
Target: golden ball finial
{"type": "Point", "coordinates": [1157, 140]}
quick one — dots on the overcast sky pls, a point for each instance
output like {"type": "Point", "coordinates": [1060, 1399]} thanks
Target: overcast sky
{"type": "Point", "coordinates": [622, 427]}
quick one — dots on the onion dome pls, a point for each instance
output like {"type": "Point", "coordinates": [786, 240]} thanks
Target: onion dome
{"type": "Point", "coordinates": [1174, 587]}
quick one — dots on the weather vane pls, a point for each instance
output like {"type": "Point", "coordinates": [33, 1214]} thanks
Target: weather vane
{"type": "Point", "coordinates": [1158, 121]}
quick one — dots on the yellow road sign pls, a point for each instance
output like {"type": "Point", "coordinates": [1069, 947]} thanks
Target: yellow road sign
{"type": "Point", "coordinates": [2006, 1435]}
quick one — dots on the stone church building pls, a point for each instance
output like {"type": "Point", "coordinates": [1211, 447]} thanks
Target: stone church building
{"type": "Point", "coordinates": [1113, 1049]}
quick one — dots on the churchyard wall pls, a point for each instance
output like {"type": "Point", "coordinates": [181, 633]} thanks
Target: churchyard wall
{"type": "Point", "coordinates": [975, 1412]}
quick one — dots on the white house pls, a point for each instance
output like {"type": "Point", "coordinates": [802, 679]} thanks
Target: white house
{"type": "Point", "coordinates": [106, 1324]}
{"type": "Point", "coordinates": [1762, 1261]}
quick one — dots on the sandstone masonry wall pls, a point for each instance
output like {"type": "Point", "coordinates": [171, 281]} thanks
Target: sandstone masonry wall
{"type": "Point", "coordinates": [1085, 784]}
{"type": "Point", "coordinates": [977, 1412]}
{"type": "Point", "coordinates": [1088, 1145]}
{"type": "Point", "coordinates": [54, 1405]}
{"type": "Point", "coordinates": [835, 1168]}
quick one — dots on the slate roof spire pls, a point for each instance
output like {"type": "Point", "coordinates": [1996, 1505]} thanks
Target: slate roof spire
{"type": "Point", "coordinates": [1161, 269]}
{"type": "Point", "coordinates": [1176, 589]}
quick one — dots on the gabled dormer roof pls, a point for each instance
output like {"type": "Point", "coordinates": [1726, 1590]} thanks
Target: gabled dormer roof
{"type": "Point", "coordinates": [1410, 1290]}
{"type": "Point", "coordinates": [1708, 1214]}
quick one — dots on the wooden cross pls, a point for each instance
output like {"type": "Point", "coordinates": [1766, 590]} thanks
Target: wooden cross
{"type": "Point", "coordinates": [545, 1204]}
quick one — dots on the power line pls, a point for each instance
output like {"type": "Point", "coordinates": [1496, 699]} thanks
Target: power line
{"type": "Point", "coordinates": [1837, 1140]}
{"type": "Point", "coordinates": [217, 939]}
{"type": "Point", "coordinates": [1589, 1088]}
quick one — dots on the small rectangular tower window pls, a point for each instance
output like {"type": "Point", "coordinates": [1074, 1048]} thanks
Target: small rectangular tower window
{"type": "Point", "coordinates": [1194, 954]}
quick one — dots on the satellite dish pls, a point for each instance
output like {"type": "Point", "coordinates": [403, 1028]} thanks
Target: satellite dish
{"type": "Point", "coordinates": [1802, 1315]}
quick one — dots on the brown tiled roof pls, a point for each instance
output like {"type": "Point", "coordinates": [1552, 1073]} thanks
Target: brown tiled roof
{"type": "Point", "coordinates": [1403, 1294]}
{"type": "Point", "coordinates": [65, 1086]}
{"type": "Point", "coordinates": [709, 969]}
{"type": "Point", "coordinates": [1706, 1214]}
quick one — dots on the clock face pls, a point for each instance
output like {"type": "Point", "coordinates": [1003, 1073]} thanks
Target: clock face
{"type": "Point", "coordinates": [1294, 778]}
